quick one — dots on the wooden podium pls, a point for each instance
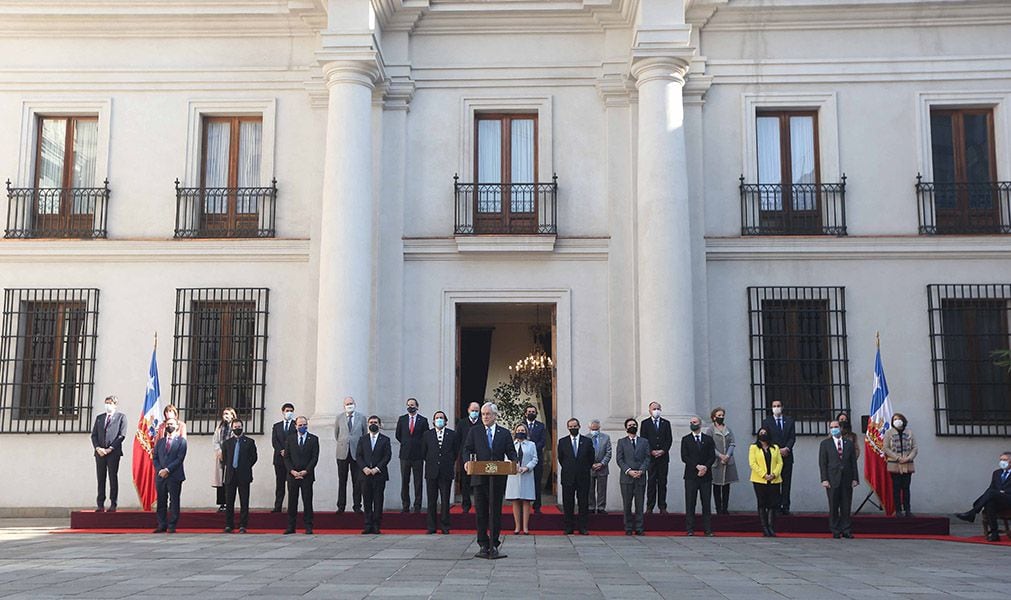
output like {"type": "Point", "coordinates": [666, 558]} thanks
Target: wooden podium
{"type": "Point", "coordinates": [490, 467]}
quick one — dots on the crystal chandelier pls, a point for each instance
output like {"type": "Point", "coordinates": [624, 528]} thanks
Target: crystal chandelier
{"type": "Point", "coordinates": [532, 375]}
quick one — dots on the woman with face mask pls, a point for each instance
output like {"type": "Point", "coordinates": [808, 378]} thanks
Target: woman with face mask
{"type": "Point", "coordinates": [171, 412]}
{"type": "Point", "coordinates": [520, 487]}
{"type": "Point", "coordinates": [766, 475]}
{"type": "Point", "coordinates": [222, 433]}
{"type": "Point", "coordinates": [900, 450]}
{"type": "Point", "coordinates": [847, 432]}
{"type": "Point", "coordinates": [724, 469]}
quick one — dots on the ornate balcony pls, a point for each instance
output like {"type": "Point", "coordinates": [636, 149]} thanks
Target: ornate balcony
{"type": "Point", "coordinates": [793, 208]}
{"type": "Point", "coordinates": [963, 207]}
{"type": "Point", "coordinates": [246, 212]}
{"type": "Point", "coordinates": [56, 212]}
{"type": "Point", "coordinates": [506, 208]}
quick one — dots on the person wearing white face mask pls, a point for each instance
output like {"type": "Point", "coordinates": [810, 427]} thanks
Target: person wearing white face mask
{"type": "Point", "coordinates": [348, 428]}
{"type": "Point", "coordinates": [900, 450]}
{"type": "Point", "coordinates": [995, 499]}
{"type": "Point", "coordinates": [439, 449]}
{"type": "Point", "coordinates": [660, 436]}
{"type": "Point", "coordinates": [107, 439]}
{"type": "Point", "coordinates": [837, 462]}
{"type": "Point", "coordinates": [599, 469]}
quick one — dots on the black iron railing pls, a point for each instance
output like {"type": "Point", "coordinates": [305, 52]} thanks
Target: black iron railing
{"type": "Point", "coordinates": [56, 212]}
{"type": "Point", "coordinates": [245, 212]}
{"type": "Point", "coordinates": [793, 208]}
{"type": "Point", "coordinates": [506, 208]}
{"type": "Point", "coordinates": [963, 207]}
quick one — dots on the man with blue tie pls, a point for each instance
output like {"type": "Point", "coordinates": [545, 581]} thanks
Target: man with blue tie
{"type": "Point", "coordinates": [538, 434]}
{"type": "Point", "coordinates": [107, 438]}
{"type": "Point", "coordinates": [239, 453]}
{"type": "Point", "coordinates": [374, 455]}
{"type": "Point", "coordinates": [488, 442]}
{"type": "Point", "coordinates": [633, 457]}
{"type": "Point", "coordinates": [575, 455]}
{"type": "Point", "coordinates": [300, 458]}
{"type": "Point", "coordinates": [169, 454]}
{"type": "Point", "coordinates": [996, 498]}
{"type": "Point", "coordinates": [783, 433]}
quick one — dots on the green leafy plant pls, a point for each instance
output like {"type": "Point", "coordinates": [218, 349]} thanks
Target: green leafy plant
{"type": "Point", "coordinates": [510, 402]}
{"type": "Point", "coordinates": [1002, 358]}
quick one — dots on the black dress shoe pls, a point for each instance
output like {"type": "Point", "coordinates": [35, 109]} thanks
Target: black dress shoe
{"type": "Point", "coordinates": [430, 531]}
{"type": "Point", "coordinates": [969, 517]}
{"type": "Point", "coordinates": [482, 553]}
{"type": "Point", "coordinates": [445, 532]}
{"type": "Point", "coordinates": [537, 510]}
{"type": "Point", "coordinates": [276, 509]}
{"type": "Point", "coordinates": [785, 511]}
{"type": "Point", "coordinates": [584, 532]}
{"type": "Point", "coordinates": [567, 532]}
{"type": "Point", "coordinates": [836, 536]}
{"type": "Point", "coordinates": [494, 554]}
{"type": "Point", "coordinates": [465, 509]}
{"type": "Point", "coordinates": [170, 530]}
{"type": "Point", "coordinates": [405, 510]}
{"type": "Point", "coordinates": [289, 530]}
{"type": "Point", "coordinates": [358, 511]}
{"type": "Point", "coordinates": [710, 534]}
{"type": "Point", "coordinates": [663, 511]}
{"type": "Point", "coordinates": [366, 531]}
{"type": "Point", "coordinates": [640, 532]}
{"type": "Point", "coordinates": [417, 509]}
{"type": "Point", "coordinates": [848, 535]}
{"type": "Point", "coordinates": [112, 508]}
{"type": "Point", "coordinates": [628, 532]}
{"type": "Point", "coordinates": [242, 530]}
{"type": "Point", "coordinates": [100, 509]}
{"type": "Point", "coordinates": [308, 530]}
{"type": "Point", "coordinates": [691, 533]}
{"type": "Point", "coordinates": [228, 530]}
{"type": "Point", "coordinates": [159, 530]}
{"type": "Point", "coordinates": [993, 537]}
{"type": "Point", "coordinates": [340, 511]}
{"type": "Point", "coordinates": [376, 531]}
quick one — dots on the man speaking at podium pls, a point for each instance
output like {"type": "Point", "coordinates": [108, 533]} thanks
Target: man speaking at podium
{"type": "Point", "coordinates": [483, 443]}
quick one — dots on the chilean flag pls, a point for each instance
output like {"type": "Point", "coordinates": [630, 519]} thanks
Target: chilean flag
{"type": "Point", "coordinates": [143, 440]}
{"type": "Point", "coordinates": [875, 466]}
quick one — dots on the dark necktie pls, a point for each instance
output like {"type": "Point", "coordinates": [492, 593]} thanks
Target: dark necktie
{"type": "Point", "coordinates": [489, 438]}
{"type": "Point", "coordinates": [779, 423]}
{"type": "Point", "coordinates": [301, 441]}
{"type": "Point", "coordinates": [168, 444]}
{"type": "Point", "coordinates": [595, 444]}
{"type": "Point", "coordinates": [575, 446]}
{"type": "Point", "coordinates": [838, 448]}
{"type": "Point", "coordinates": [698, 440]}
{"type": "Point", "coordinates": [349, 422]}
{"type": "Point", "coordinates": [1004, 476]}
{"type": "Point", "coordinates": [519, 453]}
{"type": "Point", "coordinates": [286, 427]}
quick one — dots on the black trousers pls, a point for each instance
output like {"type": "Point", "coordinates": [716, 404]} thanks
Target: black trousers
{"type": "Point", "coordinates": [219, 495]}
{"type": "Point", "coordinates": [900, 491]}
{"type": "Point", "coordinates": [439, 488]}
{"type": "Point", "coordinates": [573, 492]}
{"type": "Point", "coordinates": [698, 488]}
{"type": "Point", "coordinates": [169, 497]}
{"type": "Point", "coordinates": [373, 490]}
{"type": "Point", "coordinates": [280, 483]}
{"type": "Point", "coordinates": [538, 481]}
{"type": "Point", "coordinates": [840, 505]}
{"type": "Point", "coordinates": [634, 492]}
{"type": "Point", "coordinates": [787, 475]}
{"type": "Point", "coordinates": [767, 495]}
{"type": "Point", "coordinates": [465, 489]}
{"type": "Point", "coordinates": [407, 468]}
{"type": "Point", "coordinates": [344, 467]}
{"type": "Point", "coordinates": [107, 465]}
{"type": "Point", "coordinates": [991, 502]}
{"type": "Point", "coordinates": [296, 487]}
{"type": "Point", "coordinates": [243, 490]}
{"type": "Point", "coordinates": [721, 498]}
{"type": "Point", "coordinates": [656, 486]}
{"type": "Point", "coordinates": [488, 497]}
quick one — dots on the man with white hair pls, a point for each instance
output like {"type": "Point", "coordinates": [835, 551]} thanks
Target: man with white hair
{"type": "Point", "coordinates": [599, 470]}
{"type": "Point", "coordinates": [488, 442]}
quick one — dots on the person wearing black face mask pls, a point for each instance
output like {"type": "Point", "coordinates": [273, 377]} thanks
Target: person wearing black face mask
{"type": "Point", "coordinates": [537, 433]}
{"type": "Point", "coordinates": [300, 458]}
{"type": "Point", "coordinates": [411, 429]}
{"type": "Point", "coordinates": [698, 453]}
{"type": "Point", "coordinates": [520, 487]}
{"type": "Point", "coordinates": [633, 457]}
{"type": "Point", "coordinates": [766, 476]}
{"type": "Point", "coordinates": [575, 455]}
{"type": "Point", "coordinates": [374, 455]}
{"type": "Point", "coordinates": [847, 432]}
{"type": "Point", "coordinates": [725, 468]}
{"type": "Point", "coordinates": [239, 454]}
{"type": "Point", "coordinates": [169, 455]}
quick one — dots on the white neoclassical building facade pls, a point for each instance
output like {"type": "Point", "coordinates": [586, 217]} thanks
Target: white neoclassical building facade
{"type": "Point", "coordinates": [697, 202]}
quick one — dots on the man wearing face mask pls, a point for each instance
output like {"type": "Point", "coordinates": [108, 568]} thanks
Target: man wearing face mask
{"type": "Point", "coordinates": [698, 453]}
{"type": "Point", "coordinates": [374, 453]}
{"type": "Point", "coordinates": [538, 434]}
{"type": "Point", "coordinates": [658, 433]}
{"type": "Point", "coordinates": [633, 458]}
{"type": "Point", "coordinates": [996, 498]}
{"type": "Point", "coordinates": [279, 441]}
{"type": "Point", "coordinates": [837, 462]}
{"type": "Point", "coordinates": [783, 434]}
{"type": "Point", "coordinates": [463, 427]}
{"type": "Point", "coordinates": [107, 439]}
{"type": "Point", "coordinates": [349, 427]}
{"type": "Point", "coordinates": [301, 454]}
{"type": "Point", "coordinates": [169, 454]}
{"type": "Point", "coordinates": [239, 456]}
{"type": "Point", "coordinates": [410, 429]}
{"type": "Point", "coordinates": [439, 447]}
{"type": "Point", "coordinates": [575, 455]}
{"type": "Point", "coordinates": [599, 468]}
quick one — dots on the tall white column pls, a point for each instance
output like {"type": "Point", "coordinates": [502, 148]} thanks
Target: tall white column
{"type": "Point", "coordinates": [346, 222]}
{"type": "Point", "coordinates": [663, 249]}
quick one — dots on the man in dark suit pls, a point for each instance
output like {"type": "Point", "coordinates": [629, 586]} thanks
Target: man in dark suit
{"type": "Point", "coordinates": [783, 433]}
{"type": "Point", "coordinates": [698, 453]}
{"type": "Point", "coordinates": [575, 455]}
{"type": "Point", "coordinates": [279, 440]}
{"type": "Point", "coordinates": [374, 455]}
{"type": "Point", "coordinates": [107, 437]}
{"type": "Point", "coordinates": [239, 456]}
{"type": "Point", "coordinates": [633, 458]}
{"type": "Point", "coordinates": [657, 431]}
{"type": "Point", "coordinates": [837, 461]}
{"type": "Point", "coordinates": [440, 447]}
{"type": "Point", "coordinates": [488, 442]}
{"type": "Point", "coordinates": [301, 454]}
{"type": "Point", "coordinates": [169, 454]}
{"type": "Point", "coordinates": [463, 425]}
{"type": "Point", "coordinates": [538, 434]}
{"type": "Point", "coordinates": [410, 428]}
{"type": "Point", "coordinates": [996, 498]}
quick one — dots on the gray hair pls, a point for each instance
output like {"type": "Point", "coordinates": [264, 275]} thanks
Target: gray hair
{"type": "Point", "coordinates": [115, 400]}
{"type": "Point", "coordinates": [595, 422]}
{"type": "Point", "coordinates": [694, 417]}
{"type": "Point", "coordinates": [491, 406]}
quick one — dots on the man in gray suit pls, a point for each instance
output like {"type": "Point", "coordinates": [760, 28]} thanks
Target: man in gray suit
{"type": "Point", "coordinates": [107, 438]}
{"type": "Point", "coordinates": [633, 458]}
{"type": "Point", "coordinates": [598, 472]}
{"type": "Point", "coordinates": [348, 428]}
{"type": "Point", "coordinates": [837, 461]}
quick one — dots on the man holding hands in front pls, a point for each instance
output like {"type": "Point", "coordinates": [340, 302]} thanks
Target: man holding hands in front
{"type": "Point", "coordinates": [837, 461]}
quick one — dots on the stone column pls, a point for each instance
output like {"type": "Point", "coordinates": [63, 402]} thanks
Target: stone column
{"type": "Point", "coordinates": [663, 249]}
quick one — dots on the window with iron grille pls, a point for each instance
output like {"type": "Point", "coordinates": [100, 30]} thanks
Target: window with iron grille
{"type": "Point", "coordinates": [220, 356]}
{"type": "Point", "coordinates": [968, 324]}
{"type": "Point", "coordinates": [47, 360]}
{"type": "Point", "coordinates": [798, 354]}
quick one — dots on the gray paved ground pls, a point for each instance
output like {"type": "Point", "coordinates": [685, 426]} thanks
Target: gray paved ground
{"type": "Point", "coordinates": [37, 564]}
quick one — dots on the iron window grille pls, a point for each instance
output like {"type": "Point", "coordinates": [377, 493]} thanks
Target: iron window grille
{"type": "Point", "coordinates": [793, 208]}
{"type": "Point", "coordinates": [47, 360]}
{"type": "Point", "coordinates": [235, 212]}
{"type": "Point", "coordinates": [963, 207]}
{"type": "Point", "coordinates": [506, 208]}
{"type": "Point", "coordinates": [799, 354]}
{"type": "Point", "coordinates": [41, 212]}
{"type": "Point", "coordinates": [972, 394]}
{"type": "Point", "coordinates": [219, 357]}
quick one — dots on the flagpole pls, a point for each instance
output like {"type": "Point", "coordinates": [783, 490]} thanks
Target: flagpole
{"type": "Point", "coordinates": [156, 340]}
{"type": "Point", "coordinates": [877, 338]}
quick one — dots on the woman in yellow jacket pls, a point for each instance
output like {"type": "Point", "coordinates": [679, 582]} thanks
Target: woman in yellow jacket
{"type": "Point", "coordinates": [766, 469]}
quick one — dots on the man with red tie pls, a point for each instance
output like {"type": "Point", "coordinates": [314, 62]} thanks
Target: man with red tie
{"type": "Point", "coordinates": [107, 438]}
{"type": "Point", "coordinates": [411, 429]}
{"type": "Point", "coordinates": [837, 460]}
{"type": "Point", "coordinates": [169, 454]}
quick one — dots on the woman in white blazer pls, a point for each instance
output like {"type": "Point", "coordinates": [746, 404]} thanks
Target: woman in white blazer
{"type": "Point", "coordinates": [521, 488]}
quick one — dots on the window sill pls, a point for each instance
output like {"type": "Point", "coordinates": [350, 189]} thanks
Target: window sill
{"type": "Point", "coordinates": [505, 243]}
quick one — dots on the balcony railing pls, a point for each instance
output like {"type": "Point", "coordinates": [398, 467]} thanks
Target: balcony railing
{"type": "Point", "coordinates": [246, 212]}
{"type": "Point", "coordinates": [56, 212]}
{"type": "Point", "coordinates": [964, 208]}
{"type": "Point", "coordinates": [506, 208]}
{"type": "Point", "coordinates": [793, 208]}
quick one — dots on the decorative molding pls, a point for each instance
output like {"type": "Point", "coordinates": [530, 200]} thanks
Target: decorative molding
{"type": "Point", "coordinates": [505, 243]}
{"type": "Point", "coordinates": [64, 104]}
{"type": "Point", "coordinates": [828, 129]}
{"type": "Point", "coordinates": [155, 251]}
{"type": "Point", "coordinates": [851, 70]}
{"type": "Point", "coordinates": [449, 249]}
{"type": "Point", "coordinates": [542, 105]}
{"type": "Point", "coordinates": [197, 109]}
{"type": "Point", "coordinates": [858, 248]}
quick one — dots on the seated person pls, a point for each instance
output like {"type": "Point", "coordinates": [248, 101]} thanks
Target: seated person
{"type": "Point", "coordinates": [996, 498]}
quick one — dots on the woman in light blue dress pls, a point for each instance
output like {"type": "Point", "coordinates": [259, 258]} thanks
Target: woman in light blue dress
{"type": "Point", "coordinates": [520, 488]}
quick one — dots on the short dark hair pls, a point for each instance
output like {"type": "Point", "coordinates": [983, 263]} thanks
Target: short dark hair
{"type": "Point", "coordinates": [236, 420]}
{"type": "Point", "coordinates": [528, 407]}
{"type": "Point", "coordinates": [900, 416]}
{"type": "Point", "coordinates": [439, 412]}
{"type": "Point", "coordinates": [287, 405]}
{"type": "Point", "coordinates": [415, 401]}
{"type": "Point", "coordinates": [632, 420]}
{"type": "Point", "coordinates": [376, 417]}
{"type": "Point", "coordinates": [571, 420]}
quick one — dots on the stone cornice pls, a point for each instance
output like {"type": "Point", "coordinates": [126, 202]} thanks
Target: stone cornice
{"type": "Point", "coordinates": [502, 16]}
{"type": "Point", "coordinates": [154, 250]}
{"type": "Point", "coordinates": [858, 248]}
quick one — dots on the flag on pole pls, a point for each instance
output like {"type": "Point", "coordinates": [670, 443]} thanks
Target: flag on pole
{"type": "Point", "coordinates": [143, 440]}
{"type": "Point", "coordinates": [875, 466]}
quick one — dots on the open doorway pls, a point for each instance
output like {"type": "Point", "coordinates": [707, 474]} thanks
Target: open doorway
{"type": "Point", "coordinates": [491, 337]}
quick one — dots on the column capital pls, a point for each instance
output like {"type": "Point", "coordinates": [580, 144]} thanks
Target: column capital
{"type": "Point", "coordinates": [666, 68]}
{"type": "Point", "coordinates": [355, 71]}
